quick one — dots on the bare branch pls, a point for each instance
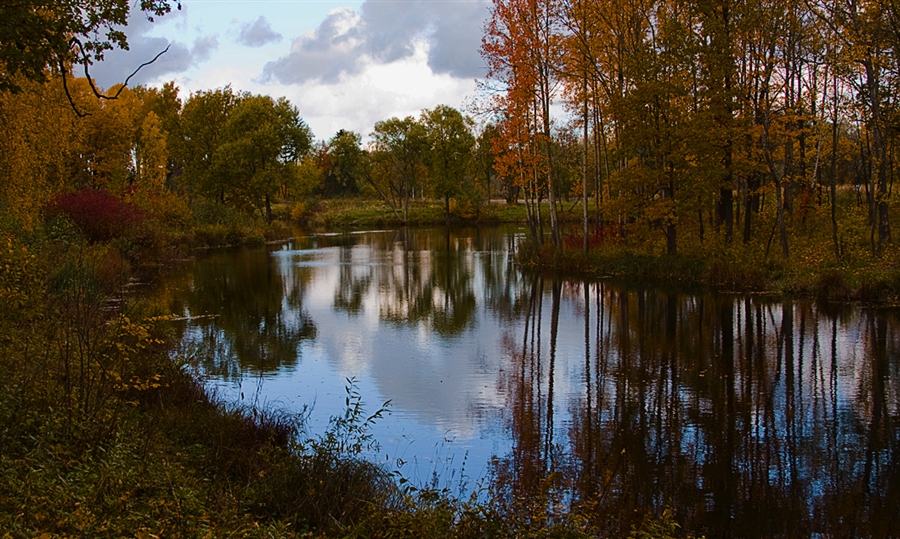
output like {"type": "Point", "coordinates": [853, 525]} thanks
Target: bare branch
{"type": "Point", "coordinates": [63, 70]}
{"type": "Point", "coordinates": [76, 46]}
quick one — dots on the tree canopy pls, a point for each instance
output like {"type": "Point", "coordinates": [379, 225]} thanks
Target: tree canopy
{"type": "Point", "coordinates": [41, 35]}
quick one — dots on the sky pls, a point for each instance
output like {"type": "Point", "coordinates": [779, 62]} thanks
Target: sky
{"type": "Point", "coordinates": [345, 64]}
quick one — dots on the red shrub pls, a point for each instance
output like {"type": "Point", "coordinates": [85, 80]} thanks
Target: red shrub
{"type": "Point", "coordinates": [99, 214]}
{"type": "Point", "coordinates": [597, 237]}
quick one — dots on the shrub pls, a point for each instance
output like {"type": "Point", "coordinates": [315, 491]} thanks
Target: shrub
{"type": "Point", "coordinates": [99, 214]}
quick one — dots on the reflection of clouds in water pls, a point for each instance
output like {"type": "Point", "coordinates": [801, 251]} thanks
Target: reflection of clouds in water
{"type": "Point", "coordinates": [448, 380]}
{"type": "Point", "coordinates": [352, 354]}
{"type": "Point", "coordinates": [441, 381]}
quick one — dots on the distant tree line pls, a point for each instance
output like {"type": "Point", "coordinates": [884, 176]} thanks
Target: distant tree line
{"type": "Point", "coordinates": [223, 147]}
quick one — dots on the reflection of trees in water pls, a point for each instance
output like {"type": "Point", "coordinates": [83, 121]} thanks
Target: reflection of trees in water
{"type": "Point", "coordinates": [750, 418]}
{"type": "Point", "coordinates": [353, 282]}
{"type": "Point", "coordinates": [257, 321]}
{"type": "Point", "coordinates": [426, 278]}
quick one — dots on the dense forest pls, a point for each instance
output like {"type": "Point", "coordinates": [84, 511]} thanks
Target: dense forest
{"type": "Point", "coordinates": [213, 152]}
{"type": "Point", "coordinates": [697, 118]}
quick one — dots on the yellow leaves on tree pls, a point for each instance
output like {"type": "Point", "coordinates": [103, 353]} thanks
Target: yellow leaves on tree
{"type": "Point", "coordinates": [151, 154]}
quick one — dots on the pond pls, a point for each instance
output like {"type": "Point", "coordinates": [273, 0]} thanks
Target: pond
{"type": "Point", "coordinates": [747, 416]}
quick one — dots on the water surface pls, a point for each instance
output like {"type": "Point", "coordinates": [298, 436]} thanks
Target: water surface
{"type": "Point", "coordinates": [748, 416]}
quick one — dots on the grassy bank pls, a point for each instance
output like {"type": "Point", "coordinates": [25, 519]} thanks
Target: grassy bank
{"type": "Point", "coordinates": [812, 269]}
{"type": "Point", "coordinates": [105, 436]}
{"type": "Point", "coordinates": [705, 259]}
{"type": "Point", "coordinates": [363, 213]}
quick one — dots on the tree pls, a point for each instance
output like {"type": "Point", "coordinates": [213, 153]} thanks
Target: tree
{"type": "Point", "coordinates": [450, 146]}
{"type": "Point", "coordinates": [484, 160]}
{"type": "Point", "coordinates": [165, 103]}
{"type": "Point", "coordinates": [37, 132]}
{"type": "Point", "coordinates": [58, 34]}
{"type": "Point", "coordinates": [202, 121]}
{"type": "Point", "coordinates": [398, 161]}
{"type": "Point", "coordinates": [523, 49]}
{"type": "Point", "coordinates": [868, 31]}
{"type": "Point", "coordinates": [99, 154]}
{"type": "Point", "coordinates": [262, 142]}
{"type": "Point", "coordinates": [346, 164]}
{"type": "Point", "coordinates": [151, 154]}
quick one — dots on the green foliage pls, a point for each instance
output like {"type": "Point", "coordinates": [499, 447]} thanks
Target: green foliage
{"type": "Point", "coordinates": [202, 123]}
{"type": "Point", "coordinates": [325, 481]}
{"type": "Point", "coordinates": [451, 146]}
{"type": "Point", "coordinates": [261, 140]}
{"type": "Point", "coordinates": [348, 435]}
{"type": "Point", "coordinates": [344, 163]}
{"type": "Point", "coordinates": [217, 224]}
{"type": "Point", "coordinates": [399, 161]}
{"type": "Point", "coordinates": [37, 35]}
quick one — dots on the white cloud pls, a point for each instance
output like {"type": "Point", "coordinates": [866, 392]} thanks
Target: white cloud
{"type": "Point", "coordinates": [351, 67]}
{"type": "Point", "coordinates": [382, 32]}
{"type": "Point", "coordinates": [376, 93]}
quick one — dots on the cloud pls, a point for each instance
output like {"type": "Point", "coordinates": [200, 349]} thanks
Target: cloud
{"type": "Point", "coordinates": [377, 92]}
{"type": "Point", "coordinates": [386, 31]}
{"type": "Point", "coordinates": [119, 64]}
{"type": "Point", "coordinates": [203, 47]}
{"type": "Point", "coordinates": [258, 34]}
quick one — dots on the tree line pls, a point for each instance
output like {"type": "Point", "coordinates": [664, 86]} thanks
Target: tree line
{"type": "Point", "coordinates": [225, 147]}
{"type": "Point", "coordinates": [692, 114]}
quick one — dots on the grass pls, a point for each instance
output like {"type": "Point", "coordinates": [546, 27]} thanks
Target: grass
{"type": "Point", "coordinates": [363, 212]}
{"type": "Point", "coordinates": [105, 436]}
{"type": "Point", "coordinates": [709, 261]}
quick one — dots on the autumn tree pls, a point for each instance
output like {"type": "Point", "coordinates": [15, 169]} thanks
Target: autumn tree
{"type": "Point", "coordinates": [99, 154]}
{"type": "Point", "coordinates": [151, 155]}
{"type": "Point", "coordinates": [868, 32]}
{"type": "Point", "coordinates": [37, 125]}
{"type": "Point", "coordinates": [167, 106]}
{"type": "Point", "coordinates": [523, 48]}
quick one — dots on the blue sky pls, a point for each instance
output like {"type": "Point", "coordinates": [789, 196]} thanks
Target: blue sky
{"type": "Point", "coordinates": [344, 64]}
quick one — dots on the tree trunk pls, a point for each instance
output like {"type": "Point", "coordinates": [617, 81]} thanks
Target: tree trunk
{"type": "Point", "coordinates": [833, 173]}
{"type": "Point", "coordinates": [584, 188]}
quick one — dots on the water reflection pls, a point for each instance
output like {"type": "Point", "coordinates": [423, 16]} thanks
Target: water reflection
{"type": "Point", "coordinates": [251, 315]}
{"type": "Point", "coordinates": [750, 417]}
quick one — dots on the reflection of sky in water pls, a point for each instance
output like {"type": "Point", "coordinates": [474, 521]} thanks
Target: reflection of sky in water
{"type": "Point", "coordinates": [453, 381]}
{"type": "Point", "coordinates": [446, 405]}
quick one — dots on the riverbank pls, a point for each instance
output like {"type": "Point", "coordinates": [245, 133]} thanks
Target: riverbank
{"type": "Point", "coordinates": [360, 213]}
{"type": "Point", "coordinates": [733, 267]}
{"type": "Point", "coordinates": [106, 436]}
{"type": "Point", "coordinates": [812, 270]}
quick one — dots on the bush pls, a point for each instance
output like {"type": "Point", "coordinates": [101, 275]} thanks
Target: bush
{"type": "Point", "coordinates": [99, 214]}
